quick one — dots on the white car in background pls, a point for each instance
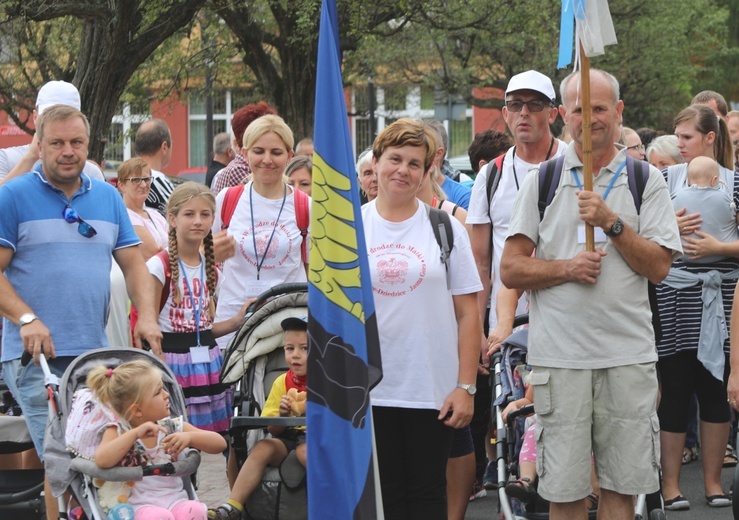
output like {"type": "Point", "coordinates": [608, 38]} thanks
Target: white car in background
{"type": "Point", "coordinates": [462, 163]}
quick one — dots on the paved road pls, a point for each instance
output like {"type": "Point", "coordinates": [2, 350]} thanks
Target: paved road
{"type": "Point", "coordinates": [214, 490]}
{"type": "Point", "coordinates": [691, 484]}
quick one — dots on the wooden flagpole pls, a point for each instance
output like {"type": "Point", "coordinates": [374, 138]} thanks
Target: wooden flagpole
{"type": "Point", "coordinates": [587, 144]}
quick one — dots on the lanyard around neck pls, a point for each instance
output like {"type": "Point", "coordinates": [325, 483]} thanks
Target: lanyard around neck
{"type": "Point", "coordinates": [254, 231]}
{"type": "Point", "coordinates": [610, 184]}
{"type": "Point", "coordinates": [196, 309]}
{"type": "Point", "coordinates": [515, 175]}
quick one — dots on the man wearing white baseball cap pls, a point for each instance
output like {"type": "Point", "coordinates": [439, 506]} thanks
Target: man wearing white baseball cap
{"type": "Point", "coordinates": [528, 111]}
{"type": "Point", "coordinates": [17, 160]}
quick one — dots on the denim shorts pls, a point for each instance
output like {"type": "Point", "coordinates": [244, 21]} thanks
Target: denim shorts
{"type": "Point", "coordinates": [27, 385]}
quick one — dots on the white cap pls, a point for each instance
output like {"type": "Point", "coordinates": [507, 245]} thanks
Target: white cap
{"type": "Point", "coordinates": [57, 93]}
{"type": "Point", "coordinates": [532, 80]}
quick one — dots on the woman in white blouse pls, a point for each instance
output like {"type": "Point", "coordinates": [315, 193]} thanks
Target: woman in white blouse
{"type": "Point", "coordinates": [134, 183]}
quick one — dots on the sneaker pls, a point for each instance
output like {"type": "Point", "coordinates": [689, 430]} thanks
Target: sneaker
{"type": "Point", "coordinates": [478, 491]}
{"type": "Point", "coordinates": [489, 479]}
{"type": "Point", "coordinates": [719, 501]}
{"type": "Point", "coordinates": [224, 512]}
{"type": "Point", "coordinates": [679, 503]}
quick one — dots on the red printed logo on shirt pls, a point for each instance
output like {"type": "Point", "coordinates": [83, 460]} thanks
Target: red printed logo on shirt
{"type": "Point", "coordinates": [399, 269]}
{"type": "Point", "coordinates": [270, 253]}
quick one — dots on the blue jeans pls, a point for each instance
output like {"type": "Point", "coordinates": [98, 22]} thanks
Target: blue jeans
{"type": "Point", "coordinates": [27, 385]}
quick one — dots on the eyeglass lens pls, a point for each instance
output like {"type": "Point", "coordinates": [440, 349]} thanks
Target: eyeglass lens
{"type": "Point", "coordinates": [138, 180]}
{"type": "Point", "coordinates": [83, 228]}
{"type": "Point", "coordinates": [534, 105]}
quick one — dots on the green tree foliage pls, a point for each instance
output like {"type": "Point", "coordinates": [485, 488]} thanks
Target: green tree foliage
{"type": "Point", "coordinates": [664, 50]}
{"type": "Point", "coordinates": [115, 38]}
{"type": "Point", "coordinates": [667, 50]}
{"type": "Point", "coordinates": [279, 41]}
{"type": "Point", "coordinates": [32, 54]}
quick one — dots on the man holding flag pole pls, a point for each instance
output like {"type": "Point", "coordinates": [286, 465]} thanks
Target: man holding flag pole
{"type": "Point", "coordinates": [591, 342]}
{"type": "Point", "coordinates": [344, 357]}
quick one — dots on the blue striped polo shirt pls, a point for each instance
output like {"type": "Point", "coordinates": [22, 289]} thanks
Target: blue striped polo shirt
{"type": "Point", "coordinates": [63, 276]}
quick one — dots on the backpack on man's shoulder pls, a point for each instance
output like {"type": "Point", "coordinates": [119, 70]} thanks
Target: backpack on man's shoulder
{"type": "Point", "coordinates": [495, 171]}
{"type": "Point", "coordinates": [302, 213]}
{"type": "Point", "coordinates": [637, 172]}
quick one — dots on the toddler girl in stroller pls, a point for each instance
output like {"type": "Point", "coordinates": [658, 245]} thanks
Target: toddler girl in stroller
{"type": "Point", "coordinates": [144, 431]}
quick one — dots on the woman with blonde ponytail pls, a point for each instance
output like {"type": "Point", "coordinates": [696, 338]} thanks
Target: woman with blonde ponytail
{"type": "Point", "coordinates": [186, 279]}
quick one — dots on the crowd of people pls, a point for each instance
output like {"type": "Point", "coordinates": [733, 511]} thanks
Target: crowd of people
{"type": "Point", "coordinates": [629, 343]}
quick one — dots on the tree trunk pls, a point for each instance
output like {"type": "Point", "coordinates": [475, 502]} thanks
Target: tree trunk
{"type": "Point", "coordinates": [101, 77]}
{"type": "Point", "coordinates": [117, 37]}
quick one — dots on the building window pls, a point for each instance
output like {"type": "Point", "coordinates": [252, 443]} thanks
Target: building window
{"type": "Point", "coordinates": [223, 109]}
{"type": "Point", "coordinates": [396, 101]}
{"type": "Point", "coordinates": [460, 136]}
{"type": "Point", "coordinates": [427, 97]}
{"type": "Point", "coordinates": [363, 136]}
{"type": "Point", "coordinates": [198, 140]}
{"type": "Point", "coordinates": [126, 122]}
{"type": "Point", "coordinates": [396, 98]}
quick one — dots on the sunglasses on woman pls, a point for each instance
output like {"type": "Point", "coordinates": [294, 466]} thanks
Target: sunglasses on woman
{"type": "Point", "coordinates": [83, 228]}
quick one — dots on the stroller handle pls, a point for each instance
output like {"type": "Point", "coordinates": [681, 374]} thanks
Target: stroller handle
{"type": "Point", "coordinates": [283, 288]}
{"type": "Point", "coordinates": [521, 319]}
{"type": "Point", "coordinates": [521, 412]}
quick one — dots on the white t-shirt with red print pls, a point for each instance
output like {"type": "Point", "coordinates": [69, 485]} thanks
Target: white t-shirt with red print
{"type": "Point", "coordinates": [282, 262]}
{"type": "Point", "coordinates": [180, 317]}
{"type": "Point", "coordinates": [415, 310]}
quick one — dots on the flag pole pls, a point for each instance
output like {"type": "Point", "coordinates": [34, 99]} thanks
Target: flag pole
{"type": "Point", "coordinates": [587, 143]}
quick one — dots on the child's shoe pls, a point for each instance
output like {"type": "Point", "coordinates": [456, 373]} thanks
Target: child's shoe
{"type": "Point", "coordinates": [227, 511]}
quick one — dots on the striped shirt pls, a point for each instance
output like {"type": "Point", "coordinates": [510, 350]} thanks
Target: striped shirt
{"type": "Point", "coordinates": [161, 190]}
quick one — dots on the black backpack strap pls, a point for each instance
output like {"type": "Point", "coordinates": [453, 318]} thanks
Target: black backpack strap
{"type": "Point", "coordinates": [638, 174]}
{"type": "Point", "coordinates": [494, 174]}
{"type": "Point", "coordinates": [549, 174]}
{"type": "Point", "coordinates": [441, 224]}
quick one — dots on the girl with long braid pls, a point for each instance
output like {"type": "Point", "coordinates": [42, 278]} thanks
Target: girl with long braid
{"type": "Point", "coordinates": [186, 279]}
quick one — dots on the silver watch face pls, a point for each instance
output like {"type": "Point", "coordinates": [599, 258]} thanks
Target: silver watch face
{"type": "Point", "coordinates": [26, 319]}
{"type": "Point", "coordinates": [472, 389]}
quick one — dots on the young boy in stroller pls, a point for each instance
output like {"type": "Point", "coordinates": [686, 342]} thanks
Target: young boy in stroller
{"type": "Point", "coordinates": [287, 397]}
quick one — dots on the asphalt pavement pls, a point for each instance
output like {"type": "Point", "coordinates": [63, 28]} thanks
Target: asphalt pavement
{"type": "Point", "coordinates": [691, 485]}
{"type": "Point", "coordinates": [213, 490]}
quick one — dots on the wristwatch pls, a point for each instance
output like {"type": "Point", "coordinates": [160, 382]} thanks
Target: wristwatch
{"type": "Point", "coordinates": [470, 389]}
{"type": "Point", "coordinates": [616, 229]}
{"type": "Point", "coordinates": [26, 318]}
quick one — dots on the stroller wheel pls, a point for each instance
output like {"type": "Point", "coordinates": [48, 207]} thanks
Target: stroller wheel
{"type": "Point", "coordinates": [657, 514]}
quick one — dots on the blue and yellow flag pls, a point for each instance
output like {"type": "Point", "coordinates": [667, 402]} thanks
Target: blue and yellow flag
{"type": "Point", "coordinates": [344, 357]}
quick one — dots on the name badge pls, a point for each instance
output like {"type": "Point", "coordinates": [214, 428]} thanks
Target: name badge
{"type": "Point", "coordinates": [256, 287]}
{"type": "Point", "coordinates": [600, 235]}
{"type": "Point", "coordinates": [199, 355]}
